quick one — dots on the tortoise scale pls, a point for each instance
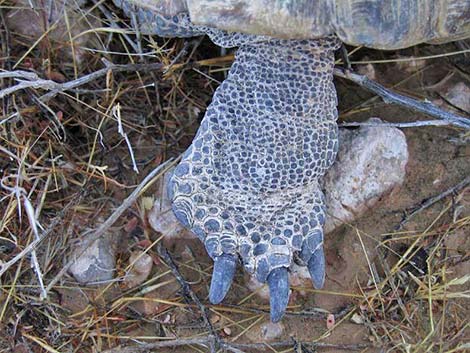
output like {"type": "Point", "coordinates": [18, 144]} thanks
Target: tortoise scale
{"type": "Point", "coordinates": [249, 186]}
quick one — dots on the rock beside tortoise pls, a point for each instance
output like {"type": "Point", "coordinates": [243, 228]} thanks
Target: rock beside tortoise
{"type": "Point", "coordinates": [371, 163]}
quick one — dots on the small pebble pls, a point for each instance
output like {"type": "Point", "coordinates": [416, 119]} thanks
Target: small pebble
{"type": "Point", "coordinates": [214, 319]}
{"type": "Point", "coordinates": [411, 65]}
{"type": "Point", "coordinates": [265, 331]}
{"type": "Point", "coordinates": [330, 321]}
{"type": "Point", "coordinates": [141, 266]}
{"type": "Point", "coordinates": [357, 319]}
{"type": "Point", "coordinates": [367, 70]}
{"type": "Point", "coordinates": [97, 264]}
{"type": "Point", "coordinates": [459, 96]}
{"type": "Point", "coordinates": [161, 217]}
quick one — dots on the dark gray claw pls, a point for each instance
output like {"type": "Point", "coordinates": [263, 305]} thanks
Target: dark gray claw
{"type": "Point", "coordinates": [278, 282]}
{"type": "Point", "coordinates": [222, 277]}
{"type": "Point", "coordinates": [316, 268]}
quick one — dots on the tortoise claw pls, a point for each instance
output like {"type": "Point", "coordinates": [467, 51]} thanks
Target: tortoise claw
{"type": "Point", "coordinates": [222, 277]}
{"type": "Point", "coordinates": [278, 282]}
{"type": "Point", "coordinates": [316, 268]}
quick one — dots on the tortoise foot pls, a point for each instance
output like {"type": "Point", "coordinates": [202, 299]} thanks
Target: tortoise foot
{"type": "Point", "coordinates": [249, 184]}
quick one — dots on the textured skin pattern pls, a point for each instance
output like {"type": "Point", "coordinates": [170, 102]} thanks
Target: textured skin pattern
{"type": "Point", "coordinates": [249, 183]}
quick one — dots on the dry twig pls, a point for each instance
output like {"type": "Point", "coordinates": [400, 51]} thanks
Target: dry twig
{"type": "Point", "coordinates": [399, 125]}
{"type": "Point", "coordinates": [391, 97]}
{"type": "Point", "coordinates": [213, 339]}
{"type": "Point", "coordinates": [432, 200]}
{"type": "Point", "coordinates": [29, 79]}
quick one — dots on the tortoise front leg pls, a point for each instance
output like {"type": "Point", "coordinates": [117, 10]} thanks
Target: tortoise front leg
{"type": "Point", "coordinates": [249, 185]}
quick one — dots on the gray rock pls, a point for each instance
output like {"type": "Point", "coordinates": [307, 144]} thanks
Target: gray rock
{"type": "Point", "coordinates": [370, 164]}
{"type": "Point", "coordinates": [31, 18]}
{"type": "Point", "coordinates": [140, 268]}
{"type": "Point", "coordinates": [96, 264]}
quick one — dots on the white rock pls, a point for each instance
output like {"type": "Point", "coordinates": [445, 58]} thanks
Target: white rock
{"type": "Point", "coordinates": [141, 265]}
{"type": "Point", "coordinates": [357, 319]}
{"type": "Point", "coordinates": [96, 264]}
{"type": "Point", "coordinates": [371, 163]}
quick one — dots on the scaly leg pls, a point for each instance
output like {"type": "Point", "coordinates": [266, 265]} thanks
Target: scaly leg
{"type": "Point", "coordinates": [249, 184]}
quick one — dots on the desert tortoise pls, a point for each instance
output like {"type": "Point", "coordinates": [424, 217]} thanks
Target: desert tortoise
{"type": "Point", "coordinates": [249, 186]}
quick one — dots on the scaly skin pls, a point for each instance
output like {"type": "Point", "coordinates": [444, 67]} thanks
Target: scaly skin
{"type": "Point", "coordinates": [249, 184]}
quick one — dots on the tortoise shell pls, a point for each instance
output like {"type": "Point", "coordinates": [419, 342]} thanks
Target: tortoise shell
{"type": "Point", "coordinates": [381, 24]}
